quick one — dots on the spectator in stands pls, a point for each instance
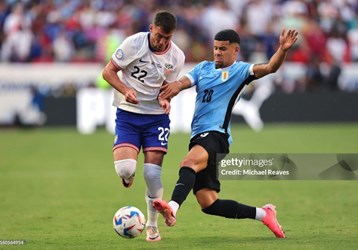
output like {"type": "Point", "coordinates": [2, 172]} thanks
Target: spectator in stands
{"type": "Point", "coordinates": [71, 30]}
{"type": "Point", "coordinates": [18, 36]}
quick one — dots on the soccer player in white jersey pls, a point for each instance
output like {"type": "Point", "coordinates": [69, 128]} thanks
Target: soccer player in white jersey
{"type": "Point", "coordinates": [146, 60]}
{"type": "Point", "coordinates": [218, 86]}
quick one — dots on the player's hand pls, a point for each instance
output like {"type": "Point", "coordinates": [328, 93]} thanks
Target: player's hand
{"type": "Point", "coordinates": [170, 90]}
{"type": "Point", "coordinates": [288, 39]}
{"type": "Point", "coordinates": [131, 96]}
{"type": "Point", "coordinates": [165, 104]}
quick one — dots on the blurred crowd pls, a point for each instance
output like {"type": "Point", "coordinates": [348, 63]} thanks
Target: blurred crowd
{"type": "Point", "coordinates": [89, 31]}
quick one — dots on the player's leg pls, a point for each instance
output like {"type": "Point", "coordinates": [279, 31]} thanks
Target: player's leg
{"type": "Point", "coordinates": [154, 190]}
{"type": "Point", "coordinates": [207, 187]}
{"type": "Point", "coordinates": [211, 204]}
{"type": "Point", "coordinates": [204, 150]}
{"type": "Point", "coordinates": [125, 164]}
{"type": "Point", "coordinates": [155, 142]}
{"type": "Point", "coordinates": [195, 161]}
{"type": "Point", "coordinates": [126, 146]}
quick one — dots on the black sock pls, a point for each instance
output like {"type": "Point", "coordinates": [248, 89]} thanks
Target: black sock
{"type": "Point", "coordinates": [184, 184]}
{"type": "Point", "coordinates": [231, 209]}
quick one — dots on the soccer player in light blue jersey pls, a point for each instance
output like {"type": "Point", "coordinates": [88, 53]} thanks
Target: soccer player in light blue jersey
{"type": "Point", "coordinates": [218, 85]}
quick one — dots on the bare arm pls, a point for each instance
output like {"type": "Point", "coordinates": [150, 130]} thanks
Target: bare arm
{"type": "Point", "coordinates": [110, 75]}
{"type": "Point", "coordinates": [172, 89]}
{"type": "Point", "coordinates": [287, 40]}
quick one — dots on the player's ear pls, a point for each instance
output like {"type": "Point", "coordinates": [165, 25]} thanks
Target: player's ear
{"type": "Point", "coordinates": [151, 27]}
{"type": "Point", "coordinates": [237, 48]}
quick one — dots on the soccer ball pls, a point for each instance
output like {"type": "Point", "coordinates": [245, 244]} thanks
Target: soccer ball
{"type": "Point", "coordinates": [128, 222]}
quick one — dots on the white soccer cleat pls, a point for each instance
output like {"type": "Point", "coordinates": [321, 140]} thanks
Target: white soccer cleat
{"type": "Point", "coordinates": [152, 234]}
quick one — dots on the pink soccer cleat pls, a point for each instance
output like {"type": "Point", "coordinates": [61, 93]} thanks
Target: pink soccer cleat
{"type": "Point", "coordinates": [164, 209]}
{"type": "Point", "coordinates": [270, 220]}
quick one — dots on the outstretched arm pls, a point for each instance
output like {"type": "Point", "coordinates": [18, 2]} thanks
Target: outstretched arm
{"type": "Point", "coordinates": [172, 89]}
{"type": "Point", "coordinates": [287, 40]}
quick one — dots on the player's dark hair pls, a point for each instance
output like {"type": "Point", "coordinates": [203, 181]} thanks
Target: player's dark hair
{"type": "Point", "coordinates": [166, 20]}
{"type": "Point", "coordinates": [228, 35]}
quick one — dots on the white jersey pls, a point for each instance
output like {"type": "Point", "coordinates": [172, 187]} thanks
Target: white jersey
{"type": "Point", "coordinates": [145, 70]}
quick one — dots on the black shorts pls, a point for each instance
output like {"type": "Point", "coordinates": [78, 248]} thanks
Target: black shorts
{"type": "Point", "coordinates": [214, 143]}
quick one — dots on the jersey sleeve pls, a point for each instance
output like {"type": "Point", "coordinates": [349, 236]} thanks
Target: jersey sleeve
{"type": "Point", "coordinates": [251, 70]}
{"type": "Point", "coordinates": [251, 74]}
{"type": "Point", "coordinates": [180, 65]}
{"type": "Point", "coordinates": [194, 74]}
{"type": "Point", "coordinates": [125, 53]}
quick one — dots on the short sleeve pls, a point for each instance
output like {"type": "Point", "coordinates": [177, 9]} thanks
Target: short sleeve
{"type": "Point", "coordinates": [125, 53]}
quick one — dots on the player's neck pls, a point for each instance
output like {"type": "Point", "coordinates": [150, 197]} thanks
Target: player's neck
{"type": "Point", "coordinates": [155, 51]}
{"type": "Point", "coordinates": [224, 66]}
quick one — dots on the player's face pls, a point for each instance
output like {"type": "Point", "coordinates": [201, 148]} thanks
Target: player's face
{"type": "Point", "coordinates": [225, 53]}
{"type": "Point", "coordinates": [159, 40]}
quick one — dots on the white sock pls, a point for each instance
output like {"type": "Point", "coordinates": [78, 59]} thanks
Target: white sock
{"type": "Point", "coordinates": [260, 214]}
{"type": "Point", "coordinates": [152, 215]}
{"type": "Point", "coordinates": [174, 206]}
{"type": "Point", "coordinates": [152, 176]}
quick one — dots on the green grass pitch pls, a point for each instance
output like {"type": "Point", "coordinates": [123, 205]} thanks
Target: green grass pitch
{"type": "Point", "coordinates": [59, 190]}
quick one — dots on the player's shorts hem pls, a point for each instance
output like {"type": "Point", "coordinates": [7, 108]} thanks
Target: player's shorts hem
{"type": "Point", "coordinates": [126, 145]}
{"type": "Point", "coordinates": [155, 149]}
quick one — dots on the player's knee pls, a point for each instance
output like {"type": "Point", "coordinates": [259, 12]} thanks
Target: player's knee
{"type": "Point", "coordinates": [210, 208]}
{"type": "Point", "coordinates": [188, 163]}
{"type": "Point", "coordinates": [152, 172]}
{"type": "Point", "coordinates": [125, 168]}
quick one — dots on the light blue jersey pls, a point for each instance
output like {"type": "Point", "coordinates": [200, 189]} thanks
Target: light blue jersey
{"type": "Point", "coordinates": [217, 92]}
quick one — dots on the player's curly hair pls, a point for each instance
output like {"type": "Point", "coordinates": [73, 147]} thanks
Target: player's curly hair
{"type": "Point", "coordinates": [228, 35]}
{"type": "Point", "coordinates": [166, 20]}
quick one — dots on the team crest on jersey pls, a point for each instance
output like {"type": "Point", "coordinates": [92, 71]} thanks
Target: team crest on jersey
{"type": "Point", "coordinates": [168, 69]}
{"type": "Point", "coordinates": [119, 54]}
{"type": "Point", "coordinates": [169, 66]}
{"type": "Point", "coordinates": [224, 75]}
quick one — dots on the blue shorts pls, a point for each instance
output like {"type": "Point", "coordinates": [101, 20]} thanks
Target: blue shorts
{"type": "Point", "coordinates": [150, 132]}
